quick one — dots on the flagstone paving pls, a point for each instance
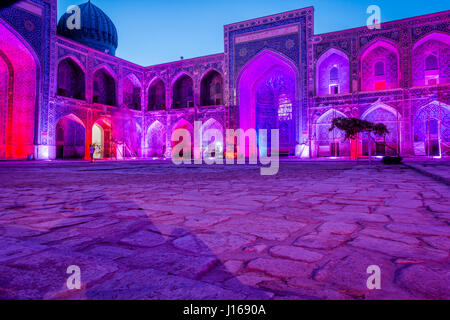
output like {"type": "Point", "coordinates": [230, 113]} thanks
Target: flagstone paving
{"type": "Point", "coordinates": [153, 230]}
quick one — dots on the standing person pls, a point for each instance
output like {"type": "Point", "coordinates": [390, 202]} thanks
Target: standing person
{"type": "Point", "coordinates": [91, 152]}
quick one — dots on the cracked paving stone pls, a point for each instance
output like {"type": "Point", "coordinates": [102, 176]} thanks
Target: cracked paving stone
{"type": "Point", "coordinates": [398, 249]}
{"type": "Point", "coordinates": [338, 227]}
{"type": "Point", "coordinates": [281, 268]}
{"type": "Point", "coordinates": [144, 238]}
{"type": "Point", "coordinates": [270, 229]}
{"type": "Point", "coordinates": [11, 249]}
{"type": "Point", "coordinates": [158, 285]}
{"type": "Point", "coordinates": [385, 234]}
{"type": "Point", "coordinates": [422, 229]}
{"type": "Point", "coordinates": [348, 274]}
{"type": "Point", "coordinates": [203, 221]}
{"type": "Point", "coordinates": [321, 240]}
{"type": "Point", "coordinates": [45, 276]}
{"type": "Point", "coordinates": [441, 243]}
{"type": "Point", "coordinates": [110, 252]}
{"type": "Point", "coordinates": [433, 283]}
{"type": "Point", "coordinates": [169, 260]}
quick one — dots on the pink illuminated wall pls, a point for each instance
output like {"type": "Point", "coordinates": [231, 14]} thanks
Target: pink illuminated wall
{"type": "Point", "coordinates": [183, 124]}
{"type": "Point", "coordinates": [379, 67]}
{"type": "Point", "coordinates": [4, 84]}
{"type": "Point", "coordinates": [17, 114]}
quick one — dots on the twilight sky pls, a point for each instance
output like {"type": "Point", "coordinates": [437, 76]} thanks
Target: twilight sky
{"type": "Point", "coordinates": [153, 32]}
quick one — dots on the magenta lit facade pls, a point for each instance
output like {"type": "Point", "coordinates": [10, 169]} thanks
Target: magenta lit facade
{"type": "Point", "coordinates": [58, 96]}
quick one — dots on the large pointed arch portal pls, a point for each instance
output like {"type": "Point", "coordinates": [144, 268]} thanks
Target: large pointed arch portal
{"type": "Point", "coordinates": [268, 98]}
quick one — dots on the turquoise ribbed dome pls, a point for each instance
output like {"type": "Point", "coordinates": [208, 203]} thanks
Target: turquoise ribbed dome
{"type": "Point", "coordinates": [97, 30]}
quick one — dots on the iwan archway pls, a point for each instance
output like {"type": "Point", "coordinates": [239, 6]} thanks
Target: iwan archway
{"type": "Point", "coordinates": [268, 98]}
{"type": "Point", "coordinates": [102, 139]}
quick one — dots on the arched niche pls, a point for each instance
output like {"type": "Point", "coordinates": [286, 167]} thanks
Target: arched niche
{"type": "Point", "coordinates": [380, 55]}
{"type": "Point", "coordinates": [211, 89]}
{"type": "Point", "coordinates": [71, 79]}
{"type": "Point", "coordinates": [104, 90]}
{"type": "Point", "coordinates": [332, 73]}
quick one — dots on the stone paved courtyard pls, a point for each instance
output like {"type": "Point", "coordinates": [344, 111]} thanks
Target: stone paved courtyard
{"type": "Point", "coordinates": [152, 230]}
